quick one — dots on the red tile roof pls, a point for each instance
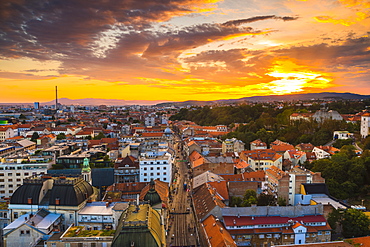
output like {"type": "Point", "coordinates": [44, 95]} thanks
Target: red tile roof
{"type": "Point", "coordinates": [249, 220]}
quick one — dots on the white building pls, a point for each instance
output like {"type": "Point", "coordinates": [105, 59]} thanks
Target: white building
{"type": "Point", "coordinates": [97, 216]}
{"type": "Point", "coordinates": [155, 166]}
{"type": "Point", "coordinates": [30, 229]}
{"type": "Point", "coordinates": [150, 120]}
{"type": "Point", "coordinates": [320, 153]}
{"type": "Point", "coordinates": [342, 135]}
{"type": "Point", "coordinates": [232, 145]}
{"type": "Point", "coordinates": [13, 172]}
{"type": "Point", "coordinates": [365, 125]}
{"type": "Point", "coordinates": [6, 132]}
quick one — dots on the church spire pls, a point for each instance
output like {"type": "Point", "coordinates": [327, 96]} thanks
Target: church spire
{"type": "Point", "coordinates": [86, 171]}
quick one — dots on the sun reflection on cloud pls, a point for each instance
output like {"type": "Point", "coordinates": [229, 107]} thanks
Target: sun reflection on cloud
{"type": "Point", "coordinates": [293, 78]}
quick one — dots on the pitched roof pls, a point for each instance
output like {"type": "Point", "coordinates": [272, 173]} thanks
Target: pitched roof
{"type": "Point", "coordinates": [217, 235]}
{"type": "Point", "coordinates": [205, 200]}
{"type": "Point", "coordinates": [220, 187]}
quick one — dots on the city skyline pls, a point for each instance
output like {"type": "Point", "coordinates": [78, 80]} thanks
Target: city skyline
{"type": "Point", "coordinates": [183, 50]}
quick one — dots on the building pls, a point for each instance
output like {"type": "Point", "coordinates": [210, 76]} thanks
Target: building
{"type": "Point", "coordinates": [342, 135]}
{"type": "Point", "coordinates": [126, 170]}
{"type": "Point", "coordinates": [287, 184]}
{"type": "Point", "coordinates": [273, 225]}
{"type": "Point", "coordinates": [365, 125]}
{"type": "Point", "coordinates": [322, 115]}
{"type": "Point", "coordinates": [258, 144]}
{"type": "Point", "coordinates": [63, 195]}
{"type": "Point", "coordinates": [30, 229]}
{"type": "Point", "coordinates": [14, 171]}
{"type": "Point", "coordinates": [215, 234]}
{"type": "Point", "coordinates": [262, 159]}
{"type": "Point", "coordinates": [77, 236]}
{"type": "Point", "coordinates": [232, 145]}
{"type": "Point", "coordinates": [140, 225]}
{"type": "Point", "coordinates": [97, 216]}
{"type": "Point", "coordinates": [6, 132]}
{"type": "Point", "coordinates": [155, 165]}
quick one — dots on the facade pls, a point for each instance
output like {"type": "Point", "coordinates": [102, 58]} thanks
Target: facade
{"type": "Point", "coordinates": [232, 145]}
{"type": "Point", "coordinates": [323, 115]}
{"type": "Point", "coordinates": [126, 170]}
{"type": "Point", "coordinates": [30, 229]}
{"type": "Point", "coordinates": [287, 184]}
{"type": "Point", "coordinates": [62, 195]}
{"type": "Point", "coordinates": [155, 166]}
{"type": "Point", "coordinates": [342, 135]}
{"type": "Point", "coordinates": [266, 226]}
{"type": "Point", "coordinates": [365, 125]}
{"type": "Point", "coordinates": [14, 171]}
{"type": "Point", "coordinates": [6, 132]}
{"type": "Point", "coordinates": [295, 156]}
{"type": "Point", "coordinates": [258, 144]}
{"type": "Point", "coordinates": [77, 236]}
{"type": "Point", "coordinates": [96, 216]}
{"type": "Point", "coordinates": [262, 159]}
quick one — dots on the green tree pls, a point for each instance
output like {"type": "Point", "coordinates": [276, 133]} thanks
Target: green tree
{"type": "Point", "coordinates": [355, 223]}
{"type": "Point", "coordinates": [250, 197]}
{"type": "Point", "coordinates": [35, 136]}
{"type": "Point", "coordinates": [235, 201]}
{"type": "Point", "coordinates": [61, 136]}
{"type": "Point", "coordinates": [99, 136]}
{"type": "Point", "coordinates": [266, 200]}
{"type": "Point", "coordinates": [281, 201]}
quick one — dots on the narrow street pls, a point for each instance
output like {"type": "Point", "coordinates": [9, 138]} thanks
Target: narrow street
{"type": "Point", "coordinates": [181, 218]}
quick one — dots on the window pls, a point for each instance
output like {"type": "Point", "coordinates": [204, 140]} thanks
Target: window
{"type": "Point", "coordinates": [26, 174]}
{"type": "Point", "coordinates": [158, 173]}
{"type": "Point", "coordinates": [158, 168]}
{"type": "Point", "coordinates": [10, 186]}
{"type": "Point", "coordinates": [164, 168]}
{"type": "Point", "coordinates": [165, 173]}
{"type": "Point", "coordinates": [151, 168]}
{"type": "Point", "coordinates": [1, 174]}
{"type": "Point", "coordinates": [17, 174]}
{"type": "Point", "coordinates": [145, 174]}
{"type": "Point", "coordinates": [151, 174]}
{"type": "Point", "coordinates": [27, 231]}
{"type": "Point", "coordinates": [145, 168]}
{"type": "Point", "coordinates": [22, 232]}
{"type": "Point", "coordinates": [10, 180]}
{"type": "Point", "coordinates": [319, 233]}
{"type": "Point", "coordinates": [10, 174]}
{"type": "Point", "coordinates": [18, 179]}
{"type": "Point", "coordinates": [15, 215]}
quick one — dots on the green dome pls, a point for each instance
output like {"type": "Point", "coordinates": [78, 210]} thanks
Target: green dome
{"type": "Point", "coordinates": [152, 196]}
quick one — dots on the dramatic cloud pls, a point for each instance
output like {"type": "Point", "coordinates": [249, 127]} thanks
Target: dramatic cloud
{"type": "Point", "coordinates": [183, 49]}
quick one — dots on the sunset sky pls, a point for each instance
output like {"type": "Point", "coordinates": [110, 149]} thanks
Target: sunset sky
{"type": "Point", "coordinates": [177, 50]}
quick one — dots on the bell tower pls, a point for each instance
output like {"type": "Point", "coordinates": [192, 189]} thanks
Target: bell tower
{"type": "Point", "coordinates": [86, 171]}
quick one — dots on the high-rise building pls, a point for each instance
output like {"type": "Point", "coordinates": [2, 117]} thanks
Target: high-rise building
{"type": "Point", "coordinates": [36, 105]}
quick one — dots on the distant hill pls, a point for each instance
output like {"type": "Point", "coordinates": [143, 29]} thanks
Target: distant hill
{"type": "Point", "coordinates": [162, 103]}
{"type": "Point", "coordinates": [275, 98]}
{"type": "Point", "coordinates": [93, 101]}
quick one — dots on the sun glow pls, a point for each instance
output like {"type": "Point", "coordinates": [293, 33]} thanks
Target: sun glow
{"type": "Point", "coordinates": [292, 78]}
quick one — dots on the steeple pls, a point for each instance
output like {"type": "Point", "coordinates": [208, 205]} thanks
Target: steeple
{"type": "Point", "coordinates": [86, 171]}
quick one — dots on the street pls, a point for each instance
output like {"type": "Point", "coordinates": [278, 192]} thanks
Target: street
{"type": "Point", "coordinates": [181, 230]}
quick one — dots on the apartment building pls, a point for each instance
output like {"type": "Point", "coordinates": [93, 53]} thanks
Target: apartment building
{"type": "Point", "coordinates": [155, 165]}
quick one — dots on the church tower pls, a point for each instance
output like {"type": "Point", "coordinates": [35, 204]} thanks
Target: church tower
{"type": "Point", "coordinates": [86, 171]}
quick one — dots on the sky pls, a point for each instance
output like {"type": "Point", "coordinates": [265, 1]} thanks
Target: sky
{"type": "Point", "coordinates": [177, 50]}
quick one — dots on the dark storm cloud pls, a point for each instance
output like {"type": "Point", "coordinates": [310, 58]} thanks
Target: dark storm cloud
{"type": "Point", "coordinates": [258, 18]}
